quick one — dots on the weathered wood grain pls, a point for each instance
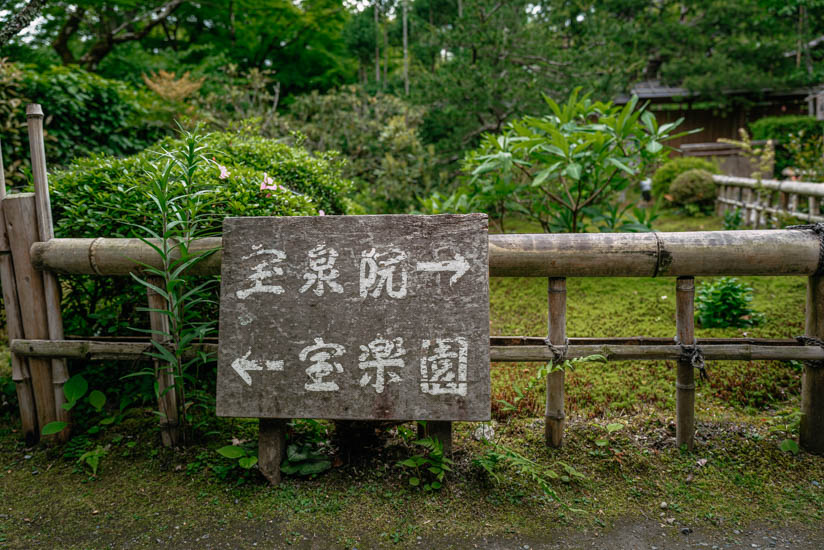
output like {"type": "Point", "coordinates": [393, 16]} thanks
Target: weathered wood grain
{"type": "Point", "coordinates": [363, 317]}
{"type": "Point", "coordinates": [51, 287]}
{"type": "Point", "coordinates": [19, 216]}
{"type": "Point", "coordinates": [14, 329]}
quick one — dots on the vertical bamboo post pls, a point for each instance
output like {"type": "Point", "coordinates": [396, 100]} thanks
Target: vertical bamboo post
{"type": "Point", "coordinates": [746, 199]}
{"type": "Point", "coordinates": [812, 202]}
{"type": "Point", "coordinates": [783, 201]}
{"type": "Point", "coordinates": [811, 432]}
{"type": "Point", "coordinates": [758, 208]}
{"type": "Point", "coordinates": [167, 401]}
{"type": "Point", "coordinates": [19, 213]}
{"type": "Point", "coordinates": [793, 204]}
{"type": "Point", "coordinates": [440, 430]}
{"type": "Point", "coordinates": [720, 207]}
{"type": "Point", "coordinates": [555, 415]}
{"type": "Point", "coordinates": [45, 230]}
{"type": "Point", "coordinates": [271, 447]}
{"type": "Point", "coordinates": [685, 378]}
{"type": "Point", "coordinates": [14, 330]}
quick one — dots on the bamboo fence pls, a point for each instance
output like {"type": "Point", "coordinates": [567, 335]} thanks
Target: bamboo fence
{"type": "Point", "coordinates": [764, 201]}
{"type": "Point", "coordinates": [30, 257]}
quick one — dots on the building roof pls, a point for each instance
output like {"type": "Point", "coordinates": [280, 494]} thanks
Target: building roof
{"type": "Point", "coordinates": [655, 90]}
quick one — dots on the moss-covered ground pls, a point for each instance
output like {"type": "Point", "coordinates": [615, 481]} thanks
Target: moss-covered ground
{"type": "Point", "coordinates": [146, 496]}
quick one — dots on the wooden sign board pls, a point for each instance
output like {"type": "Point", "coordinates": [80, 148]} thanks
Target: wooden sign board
{"type": "Point", "coordinates": [355, 317]}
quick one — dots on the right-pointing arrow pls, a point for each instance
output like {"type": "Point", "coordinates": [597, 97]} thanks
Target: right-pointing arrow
{"type": "Point", "coordinates": [459, 265]}
{"type": "Point", "coordinates": [243, 365]}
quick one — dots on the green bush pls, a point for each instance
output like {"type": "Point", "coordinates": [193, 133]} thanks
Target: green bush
{"type": "Point", "coordinates": [391, 167]}
{"type": "Point", "coordinates": [671, 169]}
{"type": "Point", "coordinates": [97, 197]}
{"type": "Point", "coordinates": [85, 114]}
{"type": "Point", "coordinates": [779, 129]}
{"type": "Point", "coordinates": [725, 303]}
{"type": "Point", "coordinates": [693, 187]}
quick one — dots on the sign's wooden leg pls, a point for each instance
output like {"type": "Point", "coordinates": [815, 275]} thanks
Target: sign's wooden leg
{"type": "Point", "coordinates": [440, 430]}
{"type": "Point", "coordinates": [271, 447]}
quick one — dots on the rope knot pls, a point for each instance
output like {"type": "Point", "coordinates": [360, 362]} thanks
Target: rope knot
{"type": "Point", "coordinates": [693, 354]}
{"type": "Point", "coordinates": [812, 341]}
{"type": "Point", "coordinates": [558, 353]}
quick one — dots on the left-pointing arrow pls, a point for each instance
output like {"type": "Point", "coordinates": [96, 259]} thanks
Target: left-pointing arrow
{"type": "Point", "coordinates": [243, 365]}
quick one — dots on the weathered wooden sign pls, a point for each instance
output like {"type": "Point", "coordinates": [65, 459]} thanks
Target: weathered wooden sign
{"type": "Point", "coordinates": [355, 317]}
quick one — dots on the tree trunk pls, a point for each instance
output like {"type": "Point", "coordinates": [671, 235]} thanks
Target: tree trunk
{"type": "Point", "coordinates": [406, 48]}
{"type": "Point", "coordinates": [377, 44]}
{"type": "Point", "coordinates": [385, 55]}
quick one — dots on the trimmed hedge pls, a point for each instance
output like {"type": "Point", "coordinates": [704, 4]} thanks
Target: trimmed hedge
{"type": "Point", "coordinates": [97, 197]}
{"type": "Point", "coordinates": [779, 129]}
{"type": "Point", "coordinates": [693, 187]}
{"type": "Point", "coordinates": [670, 170]}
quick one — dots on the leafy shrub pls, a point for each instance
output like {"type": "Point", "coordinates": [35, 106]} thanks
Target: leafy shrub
{"type": "Point", "coordinates": [725, 302]}
{"type": "Point", "coordinates": [568, 164]}
{"type": "Point", "coordinates": [693, 187]}
{"type": "Point", "coordinates": [780, 128]}
{"type": "Point", "coordinates": [670, 170]}
{"type": "Point", "coordinates": [12, 118]}
{"type": "Point", "coordinates": [85, 114]}
{"type": "Point", "coordinates": [391, 167]}
{"type": "Point", "coordinates": [98, 196]}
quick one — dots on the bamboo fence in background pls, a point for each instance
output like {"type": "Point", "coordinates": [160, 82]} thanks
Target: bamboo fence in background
{"type": "Point", "coordinates": [36, 257]}
{"type": "Point", "coordinates": [765, 201]}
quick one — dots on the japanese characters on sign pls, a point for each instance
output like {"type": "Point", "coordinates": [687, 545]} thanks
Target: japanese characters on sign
{"type": "Point", "coordinates": [355, 317]}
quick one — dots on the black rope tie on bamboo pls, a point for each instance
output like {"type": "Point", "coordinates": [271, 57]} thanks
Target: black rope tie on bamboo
{"type": "Point", "coordinates": [818, 229]}
{"type": "Point", "coordinates": [693, 354]}
{"type": "Point", "coordinates": [811, 341]}
{"type": "Point", "coordinates": [558, 353]}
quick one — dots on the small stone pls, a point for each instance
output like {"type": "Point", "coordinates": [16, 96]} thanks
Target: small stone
{"type": "Point", "coordinates": [816, 484]}
{"type": "Point", "coordinates": [737, 532]}
{"type": "Point", "coordinates": [484, 431]}
{"type": "Point", "coordinates": [670, 520]}
{"type": "Point", "coordinates": [663, 505]}
{"type": "Point", "coordinates": [27, 457]}
{"type": "Point", "coordinates": [34, 472]}
{"type": "Point", "coordinates": [686, 530]}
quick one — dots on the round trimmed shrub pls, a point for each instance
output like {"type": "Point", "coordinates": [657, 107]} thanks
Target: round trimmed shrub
{"type": "Point", "coordinates": [693, 187]}
{"type": "Point", "coordinates": [670, 170]}
{"type": "Point", "coordinates": [100, 197]}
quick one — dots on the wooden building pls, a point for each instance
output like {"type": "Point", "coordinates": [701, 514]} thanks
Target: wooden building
{"type": "Point", "coordinates": [719, 119]}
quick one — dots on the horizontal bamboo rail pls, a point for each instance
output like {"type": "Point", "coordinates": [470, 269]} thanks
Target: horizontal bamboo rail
{"type": "Point", "coordinates": [699, 253]}
{"type": "Point", "coordinates": [502, 349]}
